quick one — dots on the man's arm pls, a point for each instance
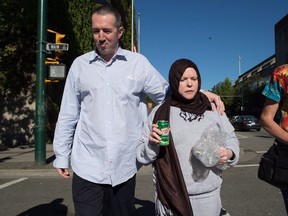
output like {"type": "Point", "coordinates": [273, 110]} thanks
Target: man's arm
{"type": "Point", "coordinates": [268, 123]}
{"type": "Point", "coordinates": [66, 124]}
{"type": "Point", "coordinates": [215, 100]}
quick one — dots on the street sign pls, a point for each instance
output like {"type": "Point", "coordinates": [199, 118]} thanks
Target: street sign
{"type": "Point", "coordinates": [58, 46]}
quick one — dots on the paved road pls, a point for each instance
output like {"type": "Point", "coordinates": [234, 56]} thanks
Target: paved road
{"type": "Point", "coordinates": [42, 192]}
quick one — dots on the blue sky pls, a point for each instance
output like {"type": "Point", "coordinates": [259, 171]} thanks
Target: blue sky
{"type": "Point", "coordinates": [212, 33]}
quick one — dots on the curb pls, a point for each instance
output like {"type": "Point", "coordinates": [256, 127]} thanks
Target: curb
{"type": "Point", "coordinates": [51, 172]}
{"type": "Point", "coordinates": [29, 173]}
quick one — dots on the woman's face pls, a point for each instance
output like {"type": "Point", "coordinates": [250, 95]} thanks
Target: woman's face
{"type": "Point", "coordinates": [188, 85]}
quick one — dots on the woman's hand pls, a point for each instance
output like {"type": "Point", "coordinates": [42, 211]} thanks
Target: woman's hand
{"type": "Point", "coordinates": [225, 155]}
{"type": "Point", "coordinates": [154, 137]}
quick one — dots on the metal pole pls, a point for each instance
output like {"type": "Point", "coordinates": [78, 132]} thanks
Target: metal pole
{"type": "Point", "coordinates": [239, 61]}
{"type": "Point", "coordinates": [132, 26]}
{"type": "Point", "coordinates": [40, 114]}
{"type": "Point", "coordinates": [139, 27]}
{"type": "Point", "coordinates": [242, 82]}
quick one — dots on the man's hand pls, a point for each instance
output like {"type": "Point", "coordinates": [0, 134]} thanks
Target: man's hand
{"type": "Point", "coordinates": [215, 100]}
{"type": "Point", "coordinates": [64, 172]}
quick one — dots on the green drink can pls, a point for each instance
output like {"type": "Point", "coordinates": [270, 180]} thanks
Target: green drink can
{"type": "Point", "coordinates": [164, 127]}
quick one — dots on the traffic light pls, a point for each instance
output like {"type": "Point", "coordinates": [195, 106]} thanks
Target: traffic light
{"type": "Point", "coordinates": [58, 36]}
{"type": "Point", "coordinates": [56, 69]}
{"type": "Point", "coordinates": [50, 61]}
{"type": "Point", "coordinates": [58, 46]}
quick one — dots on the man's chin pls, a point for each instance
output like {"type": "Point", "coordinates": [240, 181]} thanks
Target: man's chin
{"type": "Point", "coordinates": [101, 49]}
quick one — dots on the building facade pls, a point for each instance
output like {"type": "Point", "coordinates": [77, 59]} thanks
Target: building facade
{"type": "Point", "coordinates": [264, 69]}
{"type": "Point", "coordinates": [251, 83]}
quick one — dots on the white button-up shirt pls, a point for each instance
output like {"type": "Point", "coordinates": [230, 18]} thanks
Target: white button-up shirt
{"type": "Point", "coordinates": [102, 113]}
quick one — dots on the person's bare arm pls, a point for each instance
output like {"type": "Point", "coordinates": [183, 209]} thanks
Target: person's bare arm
{"type": "Point", "coordinates": [268, 123]}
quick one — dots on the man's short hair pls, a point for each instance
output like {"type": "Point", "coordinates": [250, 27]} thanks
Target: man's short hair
{"type": "Point", "coordinates": [107, 9]}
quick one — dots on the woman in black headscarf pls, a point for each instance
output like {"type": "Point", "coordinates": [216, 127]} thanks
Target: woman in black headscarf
{"type": "Point", "coordinates": [183, 185]}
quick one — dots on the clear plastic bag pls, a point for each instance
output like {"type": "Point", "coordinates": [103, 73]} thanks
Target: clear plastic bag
{"type": "Point", "coordinates": [206, 150]}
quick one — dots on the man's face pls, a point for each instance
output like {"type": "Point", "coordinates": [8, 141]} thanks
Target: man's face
{"type": "Point", "coordinates": [149, 105]}
{"type": "Point", "coordinates": [105, 34]}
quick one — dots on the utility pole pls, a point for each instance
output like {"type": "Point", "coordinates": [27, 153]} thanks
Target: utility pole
{"type": "Point", "coordinates": [242, 83]}
{"type": "Point", "coordinates": [239, 65]}
{"type": "Point", "coordinates": [40, 113]}
{"type": "Point", "coordinates": [139, 27]}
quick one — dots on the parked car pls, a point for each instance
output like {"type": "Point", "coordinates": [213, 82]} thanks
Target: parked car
{"type": "Point", "coordinates": [245, 122]}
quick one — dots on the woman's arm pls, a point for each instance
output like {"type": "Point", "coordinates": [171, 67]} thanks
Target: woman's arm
{"type": "Point", "coordinates": [148, 150]}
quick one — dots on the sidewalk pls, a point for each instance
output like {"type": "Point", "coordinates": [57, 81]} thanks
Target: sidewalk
{"type": "Point", "coordinates": [20, 161]}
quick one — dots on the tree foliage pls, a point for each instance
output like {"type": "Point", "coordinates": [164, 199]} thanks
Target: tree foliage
{"type": "Point", "coordinates": [226, 92]}
{"type": "Point", "coordinates": [18, 38]}
{"type": "Point", "coordinates": [17, 70]}
{"type": "Point", "coordinates": [244, 98]}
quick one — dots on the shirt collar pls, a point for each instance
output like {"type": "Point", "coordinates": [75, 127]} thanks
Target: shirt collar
{"type": "Point", "coordinates": [120, 55]}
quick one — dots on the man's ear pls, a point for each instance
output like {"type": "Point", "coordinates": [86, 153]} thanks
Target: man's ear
{"type": "Point", "coordinates": [120, 32]}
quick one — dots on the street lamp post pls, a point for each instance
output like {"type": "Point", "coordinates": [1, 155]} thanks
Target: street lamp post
{"type": "Point", "coordinates": [239, 65]}
{"type": "Point", "coordinates": [138, 32]}
{"type": "Point", "coordinates": [239, 61]}
{"type": "Point", "coordinates": [40, 112]}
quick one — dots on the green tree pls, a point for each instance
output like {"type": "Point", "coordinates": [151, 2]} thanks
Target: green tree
{"type": "Point", "coordinates": [17, 70]}
{"type": "Point", "coordinates": [18, 38]}
{"type": "Point", "coordinates": [226, 92]}
{"type": "Point", "coordinates": [73, 18]}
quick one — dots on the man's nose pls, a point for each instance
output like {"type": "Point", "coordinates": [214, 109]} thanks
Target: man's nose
{"type": "Point", "coordinates": [101, 35]}
{"type": "Point", "coordinates": [101, 41]}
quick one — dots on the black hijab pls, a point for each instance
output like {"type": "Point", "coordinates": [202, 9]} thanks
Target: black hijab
{"type": "Point", "coordinates": [170, 184]}
{"type": "Point", "coordinates": [196, 106]}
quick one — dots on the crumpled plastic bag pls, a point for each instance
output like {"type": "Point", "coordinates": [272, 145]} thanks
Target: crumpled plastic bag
{"type": "Point", "coordinates": [205, 154]}
{"type": "Point", "coordinates": [206, 149]}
